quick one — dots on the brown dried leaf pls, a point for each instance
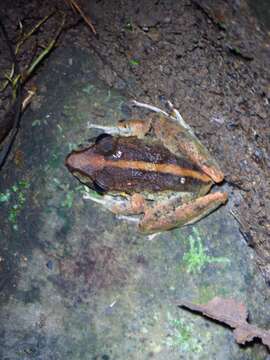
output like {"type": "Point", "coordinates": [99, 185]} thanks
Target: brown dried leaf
{"type": "Point", "coordinates": [233, 314]}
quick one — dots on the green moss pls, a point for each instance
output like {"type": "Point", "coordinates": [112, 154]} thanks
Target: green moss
{"type": "Point", "coordinates": [88, 89]}
{"type": "Point", "coordinates": [182, 335]}
{"type": "Point", "coordinates": [68, 194]}
{"type": "Point", "coordinates": [5, 197]}
{"type": "Point", "coordinates": [206, 293]}
{"type": "Point", "coordinates": [134, 62]}
{"type": "Point", "coordinates": [15, 196]}
{"type": "Point", "coordinates": [36, 122]}
{"type": "Point", "coordinates": [129, 26]}
{"type": "Point", "coordinates": [68, 201]}
{"type": "Point", "coordinates": [56, 160]}
{"type": "Point", "coordinates": [196, 258]}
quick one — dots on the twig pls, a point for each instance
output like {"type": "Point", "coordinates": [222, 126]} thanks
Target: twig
{"type": "Point", "coordinates": [44, 53]}
{"type": "Point", "coordinates": [20, 79]}
{"type": "Point", "coordinates": [18, 46]}
{"type": "Point", "coordinates": [32, 31]}
{"type": "Point", "coordinates": [15, 109]}
{"type": "Point", "coordinates": [73, 4]}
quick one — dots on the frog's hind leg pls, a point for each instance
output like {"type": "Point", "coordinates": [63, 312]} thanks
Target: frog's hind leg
{"type": "Point", "coordinates": [179, 138]}
{"type": "Point", "coordinates": [171, 214]}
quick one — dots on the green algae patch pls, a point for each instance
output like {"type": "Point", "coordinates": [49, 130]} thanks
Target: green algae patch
{"type": "Point", "coordinates": [182, 336]}
{"type": "Point", "coordinates": [196, 258]}
{"type": "Point", "coordinates": [15, 198]}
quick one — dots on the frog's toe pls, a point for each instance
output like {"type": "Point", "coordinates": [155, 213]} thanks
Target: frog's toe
{"type": "Point", "coordinates": [175, 115]}
{"type": "Point", "coordinates": [149, 107]}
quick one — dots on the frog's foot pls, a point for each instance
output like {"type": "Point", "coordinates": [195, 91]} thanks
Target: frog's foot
{"type": "Point", "coordinates": [168, 215]}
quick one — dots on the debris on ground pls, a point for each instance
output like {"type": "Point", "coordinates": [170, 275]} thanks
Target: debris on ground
{"type": "Point", "coordinates": [234, 314]}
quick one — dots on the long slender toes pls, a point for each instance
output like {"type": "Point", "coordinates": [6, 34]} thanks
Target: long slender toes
{"type": "Point", "coordinates": [149, 107]}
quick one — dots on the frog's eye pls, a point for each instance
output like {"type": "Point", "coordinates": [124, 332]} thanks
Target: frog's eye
{"type": "Point", "coordinates": [105, 144]}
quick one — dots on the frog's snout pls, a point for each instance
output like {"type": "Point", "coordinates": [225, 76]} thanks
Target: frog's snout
{"type": "Point", "coordinates": [72, 162]}
{"type": "Point", "coordinates": [84, 162]}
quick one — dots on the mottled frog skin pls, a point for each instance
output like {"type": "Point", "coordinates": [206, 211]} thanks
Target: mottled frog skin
{"type": "Point", "coordinates": [154, 168]}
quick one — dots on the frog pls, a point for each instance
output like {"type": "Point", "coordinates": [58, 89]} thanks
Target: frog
{"type": "Point", "coordinates": [154, 171]}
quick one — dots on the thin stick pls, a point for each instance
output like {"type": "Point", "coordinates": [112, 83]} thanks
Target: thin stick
{"type": "Point", "coordinates": [32, 31]}
{"type": "Point", "coordinates": [86, 18]}
{"type": "Point", "coordinates": [44, 53]}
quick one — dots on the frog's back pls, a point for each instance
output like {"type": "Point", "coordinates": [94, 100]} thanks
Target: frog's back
{"type": "Point", "coordinates": [133, 165]}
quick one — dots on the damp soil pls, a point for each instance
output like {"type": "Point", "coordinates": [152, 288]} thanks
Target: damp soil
{"type": "Point", "coordinates": [76, 283]}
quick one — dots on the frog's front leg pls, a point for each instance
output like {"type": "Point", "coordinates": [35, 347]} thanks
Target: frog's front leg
{"type": "Point", "coordinates": [171, 214]}
{"type": "Point", "coordinates": [131, 127]}
{"type": "Point", "coordinates": [128, 205]}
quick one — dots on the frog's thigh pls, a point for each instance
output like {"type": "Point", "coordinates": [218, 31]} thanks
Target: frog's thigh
{"type": "Point", "coordinates": [166, 216]}
{"type": "Point", "coordinates": [180, 140]}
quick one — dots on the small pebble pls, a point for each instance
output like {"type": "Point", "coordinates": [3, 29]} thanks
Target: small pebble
{"type": "Point", "coordinates": [49, 264]}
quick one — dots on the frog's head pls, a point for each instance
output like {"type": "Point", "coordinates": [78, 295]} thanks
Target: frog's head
{"type": "Point", "coordinates": [86, 163]}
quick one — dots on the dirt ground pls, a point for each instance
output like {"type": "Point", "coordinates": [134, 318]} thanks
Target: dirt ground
{"type": "Point", "coordinates": [210, 58]}
{"type": "Point", "coordinates": [212, 62]}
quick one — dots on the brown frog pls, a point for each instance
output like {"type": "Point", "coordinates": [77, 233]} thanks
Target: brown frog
{"type": "Point", "coordinates": [155, 169]}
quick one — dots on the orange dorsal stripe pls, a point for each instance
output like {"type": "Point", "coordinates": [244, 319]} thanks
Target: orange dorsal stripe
{"type": "Point", "coordinates": [161, 168]}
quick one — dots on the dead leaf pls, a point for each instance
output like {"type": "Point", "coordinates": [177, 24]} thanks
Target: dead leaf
{"type": "Point", "coordinates": [233, 314]}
